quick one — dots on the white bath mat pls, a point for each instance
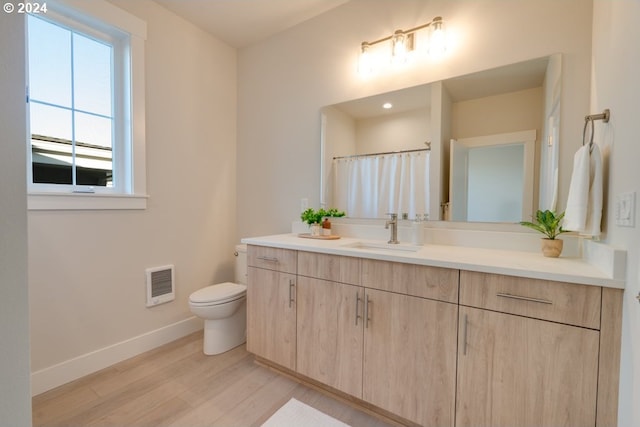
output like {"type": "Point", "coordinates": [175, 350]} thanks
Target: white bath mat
{"type": "Point", "coordinates": [296, 414]}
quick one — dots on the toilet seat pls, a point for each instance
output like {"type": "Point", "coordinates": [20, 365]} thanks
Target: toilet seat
{"type": "Point", "coordinates": [218, 294]}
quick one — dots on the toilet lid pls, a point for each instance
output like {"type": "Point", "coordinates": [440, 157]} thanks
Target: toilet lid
{"type": "Point", "coordinates": [218, 293]}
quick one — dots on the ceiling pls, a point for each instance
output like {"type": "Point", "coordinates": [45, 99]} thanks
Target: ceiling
{"type": "Point", "coordinates": [241, 23]}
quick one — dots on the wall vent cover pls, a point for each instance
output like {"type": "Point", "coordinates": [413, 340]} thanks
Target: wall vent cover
{"type": "Point", "coordinates": [160, 285]}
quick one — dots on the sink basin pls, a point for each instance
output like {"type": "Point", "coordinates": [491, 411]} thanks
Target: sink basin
{"type": "Point", "coordinates": [400, 247]}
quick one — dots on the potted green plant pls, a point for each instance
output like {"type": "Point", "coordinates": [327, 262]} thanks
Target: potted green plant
{"type": "Point", "coordinates": [548, 223]}
{"type": "Point", "coordinates": [314, 218]}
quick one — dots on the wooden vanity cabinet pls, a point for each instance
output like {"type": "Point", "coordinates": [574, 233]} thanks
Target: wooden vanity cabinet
{"type": "Point", "coordinates": [528, 352]}
{"type": "Point", "coordinates": [435, 283]}
{"type": "Point", "coordinates": [329, 327]}
{"type": "Point", "coordinates": [437, 346]}
{"type": "Point", "coordinates": [330, 335]}
{"type": "Point", "coordinates": [391, 349]}
{"type": "Point", "coordinates": [271, 304]}
{"type": "Point", "coordinates": [409, 365]}
{"type": "Point", "coordinates": [517, 371]}
{"type": "Point", "coordinates": [410, 340]}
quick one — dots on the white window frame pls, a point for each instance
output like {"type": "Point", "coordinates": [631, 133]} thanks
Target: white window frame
{"type": "Point", "coordinates": [130, 151]}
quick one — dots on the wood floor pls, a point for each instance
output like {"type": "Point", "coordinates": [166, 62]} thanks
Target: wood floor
{"type": "Point", "coordinates": [177, 385]}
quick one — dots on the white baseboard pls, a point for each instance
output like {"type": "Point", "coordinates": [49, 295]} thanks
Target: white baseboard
{"type": "Point", "coordinates": [72, 369]}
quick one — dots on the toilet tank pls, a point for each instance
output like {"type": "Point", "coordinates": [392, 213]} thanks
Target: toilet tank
{"type": "Point", "coordinates": [241, 264]}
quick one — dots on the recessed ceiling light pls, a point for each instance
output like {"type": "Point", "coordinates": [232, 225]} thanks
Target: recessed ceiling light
{"type": "Point", "coordinates": [387, 105]}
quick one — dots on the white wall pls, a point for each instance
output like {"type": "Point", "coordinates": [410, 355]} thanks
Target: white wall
{"type": "Point", "coordinates": [615, 85]}
{"type": "Point", "coordinates": [15, 391]}
{"type": "Point", "coordinates": [87, 268]}
{"type": "Point", "coordinates": [285, 80]}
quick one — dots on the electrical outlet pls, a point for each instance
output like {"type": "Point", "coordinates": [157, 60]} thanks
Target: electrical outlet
{"type": "Point", "coordinates": [625, 209]}
{"type": "Point", "coordinates": [304, 204]}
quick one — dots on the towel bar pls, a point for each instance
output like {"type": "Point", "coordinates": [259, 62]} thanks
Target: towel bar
{"type": "Point", "coordinates": [604, 116]}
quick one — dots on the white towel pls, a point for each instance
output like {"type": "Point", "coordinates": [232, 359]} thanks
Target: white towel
{"type": "Point", "coordinates": [584, 204]}
{"type": "Point", "coordinates": [554, 199]}
{"type": "Point", "coordinates": [594, 210]}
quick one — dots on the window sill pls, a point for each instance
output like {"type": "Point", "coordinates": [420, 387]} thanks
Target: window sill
{"type": "Point", "coordinates": [66, 201]}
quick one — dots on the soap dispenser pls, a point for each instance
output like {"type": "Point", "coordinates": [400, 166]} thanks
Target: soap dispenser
{"type": "Point", "coordinates": [417, 230]}
{"type": "Point", "coordinates": [326, 227]}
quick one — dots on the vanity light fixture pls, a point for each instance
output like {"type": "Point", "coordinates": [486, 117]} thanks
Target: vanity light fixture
{"type": "Point", "coordinates": [403, 42]}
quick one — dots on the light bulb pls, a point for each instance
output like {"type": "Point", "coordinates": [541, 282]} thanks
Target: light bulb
{"type": "Point", "coordinates": [399, 47]}
{"type": "Point", "coordinates": [365, 63]}
{"type": "Point", "coordinates": [437, 38]}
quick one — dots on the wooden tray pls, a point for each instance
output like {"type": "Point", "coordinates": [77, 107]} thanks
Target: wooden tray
{"type": "Point", "coordinates": [309, 236]}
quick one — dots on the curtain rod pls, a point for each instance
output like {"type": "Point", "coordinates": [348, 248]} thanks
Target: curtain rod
{"type": "Point", "coordinates": [353, 156]}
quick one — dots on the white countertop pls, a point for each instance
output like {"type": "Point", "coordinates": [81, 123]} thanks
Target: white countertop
{"type": "Point", "coordinates": [513, 263]}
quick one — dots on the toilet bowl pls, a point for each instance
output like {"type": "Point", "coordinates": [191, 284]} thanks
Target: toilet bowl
{"type": "Point", "coordinates": [223, 308]}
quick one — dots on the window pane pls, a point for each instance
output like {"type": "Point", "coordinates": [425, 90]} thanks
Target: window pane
{"type": "Point", "coordinates": [93, 130]}
{"type": "Point", "coordinates": [92, 75]}
{"type": "Point", "coordinates": [94, 165]}
{"type": "Point", "coordinates": [51, 148]}
{"type": "Point", "coordinates": [49, 62]}
{"type": "Point", "coordinates": [50, 121]}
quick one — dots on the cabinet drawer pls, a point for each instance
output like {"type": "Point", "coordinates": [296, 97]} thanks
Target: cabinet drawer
{"type": "Point", "coordinates": [335, 268]}
{"type": "Point", "coordinates": [277, 259]}
{"type": "Point", "coordinates": [411, 279]}
{"type": "Point", "coordinates": [541, 299]}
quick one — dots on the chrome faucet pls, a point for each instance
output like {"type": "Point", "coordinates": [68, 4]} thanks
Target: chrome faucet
{"type": "Point", "coordinates": [393, 222]}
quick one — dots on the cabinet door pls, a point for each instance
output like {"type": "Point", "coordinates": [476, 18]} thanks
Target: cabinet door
{"type": "Point", "coordinates": [411, 279]}
{"type": "Point", "coordinates": [517, 371]}
{"type": "Point", "coordinates": [271, 316]}
{"type": "Point", "coordinates": [330, 333]}
{"type": "Point", "coordinates": [335, 268]}
{"type": "Point", "coordinates": [410, 357]}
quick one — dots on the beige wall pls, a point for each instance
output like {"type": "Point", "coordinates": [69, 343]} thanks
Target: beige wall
{"type": "Point", "coordinates": [285, 80]}
{"type": "Point", "coordinates": [511, 112]}
{"type": "Point", "coordinates": [408, 130]}
{"type": "Point", "coordinates": [87, 268]}
{"type": "Point", "coordinates": [15, 395]}
{"type": "Point", "coordinates": [615, 85]}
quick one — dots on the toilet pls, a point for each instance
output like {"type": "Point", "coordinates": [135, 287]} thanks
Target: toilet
{"type": "Point", "coordinates": [224, 309]}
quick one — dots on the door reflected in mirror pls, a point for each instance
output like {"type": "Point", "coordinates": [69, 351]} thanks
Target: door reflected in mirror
{"type": "Point", "coordinates": [505, 100]}
{"type": "Point", "coordinates": [491, 178]}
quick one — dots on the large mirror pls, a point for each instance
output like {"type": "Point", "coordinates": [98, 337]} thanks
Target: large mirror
{"type": "Point", "coordinates": [481, 147]}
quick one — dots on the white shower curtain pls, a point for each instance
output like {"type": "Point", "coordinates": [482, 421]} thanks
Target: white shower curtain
{"type": "Point", "coordinates": [374, 185]}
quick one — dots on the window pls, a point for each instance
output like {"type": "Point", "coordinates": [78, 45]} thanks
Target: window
{"type": "Point", "coordinates": [86, 108]}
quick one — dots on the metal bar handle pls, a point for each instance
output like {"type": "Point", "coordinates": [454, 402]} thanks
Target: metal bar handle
{"type": "Point", "coordinates": [268, 258]}
{"type": "Point", "coordinates": [518, 297]}
{"type": "Point", "coordinates": [464, 335]}
{"type": "Point", "coordinates": [357, 307]}
{"type": "Point", "coordinates": [366, 311]}
{"type": "Point", "coordinates": [292, 285]}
